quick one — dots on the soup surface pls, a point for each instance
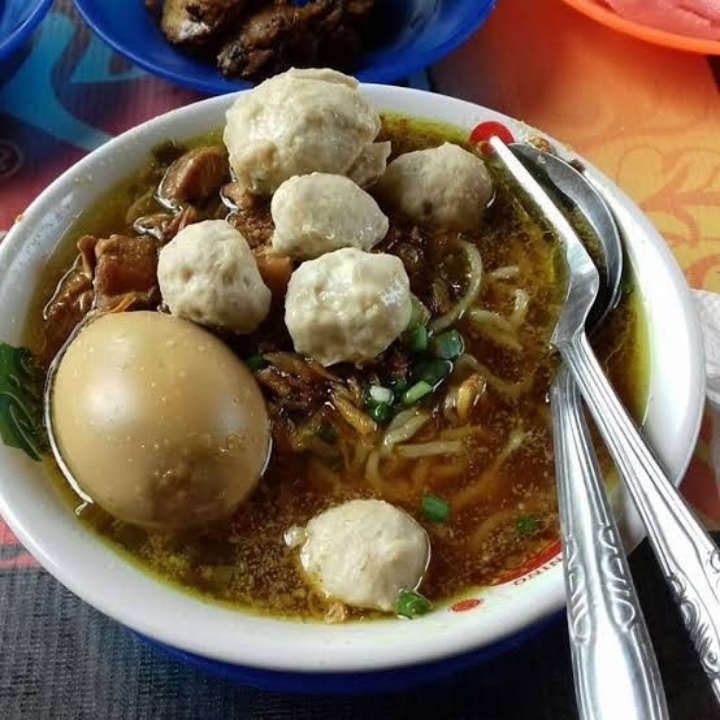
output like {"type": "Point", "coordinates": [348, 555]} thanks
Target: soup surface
{"type": "Point", "coordinates": [480, 442]}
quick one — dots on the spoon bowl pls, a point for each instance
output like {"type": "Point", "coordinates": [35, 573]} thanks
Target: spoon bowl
{"type": "Point", "coordinates": [576, 194]}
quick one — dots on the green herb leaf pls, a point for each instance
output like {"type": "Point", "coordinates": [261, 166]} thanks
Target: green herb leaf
{"type": "Point", "coordinates": [416, 339]}
{"type": "Point", "coordinates": [21, 418]}
{"type": "Point", "coordinates": [448, 346]}
{"type": "Point", "coordinates": [382, 413]}
{"type": "Point", "coordinates": [435, 509]}
{"type": "Point", "coordinates": [412, 604]}
{"type": "Point", "coordinates": [433, 372]}
{"type": "Point", "coordinates": [327, 433]}
{"type": "Point", "coordinates": [418, 391]}
{"type": "Point", "coordinates": [527, 524]}
{"type": "Point", "coordinates": [256, 362]}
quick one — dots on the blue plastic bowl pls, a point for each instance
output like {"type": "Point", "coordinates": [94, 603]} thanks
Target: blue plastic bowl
{"type": "Point", "coordinates": [18, 20]}
{"type": "Point", "coordinates": [420, 32]}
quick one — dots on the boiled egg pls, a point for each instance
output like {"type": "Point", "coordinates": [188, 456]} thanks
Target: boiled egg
{"type": "Point", "coordinates": [157, 421]}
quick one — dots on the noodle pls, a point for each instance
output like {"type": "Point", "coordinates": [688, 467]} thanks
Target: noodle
{"type": "Point", "coordinates": [405, 425]}
{"type": "Point", "coordinates": [496, 327]}
{"type": "Point", "coordinates": [504, 387]}
{"type": "Point", "coordinates": [519, 313]}
{"type": "Point", "coordinates": [483, 486]}
{"type": "Point", "coordinates": [473, 289]}
{"type": "Point", "coordinates": [354, 417]}
{"type": "Point", "coordinates": [504, 273]}
{"type": "Point", "coordinates": [428, 449]}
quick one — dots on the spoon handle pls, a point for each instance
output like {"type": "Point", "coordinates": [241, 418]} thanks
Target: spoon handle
{"type": "Point", "coordinates": [687, 556]}
{"type": "Point", "coordinates": [615, 670]}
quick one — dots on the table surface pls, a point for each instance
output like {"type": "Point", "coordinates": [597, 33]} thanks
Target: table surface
{"type": "Point", "coordinates": [646, 116]}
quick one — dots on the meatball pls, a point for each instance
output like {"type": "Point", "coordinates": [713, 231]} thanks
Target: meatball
{"type": "Point", "coordinates": [347, 305]}
{"type": "Point", "coordinates": [296, 123]}
{"type": "Point", "coordinates": [444, 186]}
{"type": "Point", "coordinates": [314, 214]}
{"type": "Point", "coordinates": [365, 553]}
{"type": "Point", "coordinates": [207, 273]}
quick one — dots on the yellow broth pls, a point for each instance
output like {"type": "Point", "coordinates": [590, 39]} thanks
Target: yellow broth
{"type": "Point", "coordinates": [501, 482]}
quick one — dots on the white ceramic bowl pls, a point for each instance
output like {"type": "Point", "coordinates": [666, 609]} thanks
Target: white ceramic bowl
{"type": "Point", "coordinates": [91, 569]}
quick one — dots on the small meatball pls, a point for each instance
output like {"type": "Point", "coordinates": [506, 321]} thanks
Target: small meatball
{"type": "Point", "coordinates": [370, 166]}
{"type": "Point", "coordinates": [364, 553]}
{"type": "Point", "coordinates": [444, 186]}
{"type": "Point", "coordinates": [318, 213]}
{"type": "Point", "coordinates": [347, 305]}
{"type": "Point", "coordinates": [196, 175]}
{"type": "Point", "coordinates": [208, 274]}
{"type": "Point", "coordinates": [300, 122]}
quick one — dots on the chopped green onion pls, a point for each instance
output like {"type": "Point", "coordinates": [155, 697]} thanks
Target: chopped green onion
{"type": "Point", "coordinates": [449, 345]}
{"type": "Point", "coordinates": [416, 338]}
{"type": "Point", "coordinates": [419, 315]}
{"type": "Point", "coordinates": [382, 413]}
{"type": "Point", "coordinates": [412, 604]}
{"type": "Point", "coordinates": [327, 433]}
{"type": "Point", "coordinates": [527, 524]}
{"type": "Point", "coordinates": [433, 372]}
{"type": "Point", "coordinates": [256, 362]}
{"type": "Point", "coordinates": [399, 387]}
{"type": "Point", "coordinates": [418, 391]}
{"type": "Point", "coordinates": [435, 509]}
{"type": "Point", "coordinates": [381, 394]}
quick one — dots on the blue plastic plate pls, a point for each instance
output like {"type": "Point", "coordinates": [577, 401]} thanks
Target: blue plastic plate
{"type": "Point", "coordinates": [419, 33]}
{"type": "Point", "coordinates": [18, 19]}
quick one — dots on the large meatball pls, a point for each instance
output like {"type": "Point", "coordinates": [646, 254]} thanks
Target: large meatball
{"type": "Point", "coordinates": [347, 305]}
{"type": "Point", "coordinates": [159, 423]}
{"type": "Point", "coordinates": [365, 553]}
{"type": "Point", "coordinates": [444, 186]}
{"type": "Point", "coordinates": [318, 213]}
{"type": "Point", "coordinates": [207, 273]}
{"type": "Point", "coordinates": [299, 122]}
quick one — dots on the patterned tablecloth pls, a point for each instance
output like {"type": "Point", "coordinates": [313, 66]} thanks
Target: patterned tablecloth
{"type": "Point", "coordinates": [646, 116]}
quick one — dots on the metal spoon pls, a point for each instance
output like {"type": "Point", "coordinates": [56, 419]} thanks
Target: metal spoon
{"type": "Point", "coordinates": [689, 559]}
{"type": "Point", "coordinates": [615, 669]}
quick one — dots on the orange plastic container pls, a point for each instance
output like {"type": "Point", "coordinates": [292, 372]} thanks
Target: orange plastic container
{"type": "Point", "coordinates": [611, 19]}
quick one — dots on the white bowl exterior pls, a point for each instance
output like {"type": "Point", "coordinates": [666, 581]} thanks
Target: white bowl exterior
{"type": "Point", "coordinates": [39, 516]}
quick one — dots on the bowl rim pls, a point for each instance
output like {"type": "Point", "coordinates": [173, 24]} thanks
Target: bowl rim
{"type": "Point", "coordinates": [475, 14]}
{"type": "Point", "coordinates": [640, 31]}
{"type": "Point", "coordinates": [22, 32]}
{"type": "Point", "coordinates": [355, 647]}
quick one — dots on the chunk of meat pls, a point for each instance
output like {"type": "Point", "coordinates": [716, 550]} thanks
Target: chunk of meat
{"type": "Point", "coordinates": [71, 301]}
{"type": "Point", "coordinates": [126, 269]}
{"type": "Point", "coordinates": [254, 222]}
{"type": "Point", "coordinates": [236, 197]}
{"type": "Point", "coordinates": [275, 270]}
{"type": "Point", "coordinates": [86, 246]}
{"type": "Point", "coordinates": [195, 22]}
{"type": "Point", "coordinates": [196, 175]}
{"type": "Point", "coordinates": [164, 226]}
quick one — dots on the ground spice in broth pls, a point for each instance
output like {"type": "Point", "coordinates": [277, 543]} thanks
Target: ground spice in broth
{"type": "Point", "coordinates": [501, 487]}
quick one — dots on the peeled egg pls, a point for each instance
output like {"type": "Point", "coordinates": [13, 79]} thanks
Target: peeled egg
{"type": "Point", "coordinates": [157, 421]}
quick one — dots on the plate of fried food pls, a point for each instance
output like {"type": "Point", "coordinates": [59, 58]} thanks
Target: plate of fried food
{"type": "Point", "coordinates": [220, 46]}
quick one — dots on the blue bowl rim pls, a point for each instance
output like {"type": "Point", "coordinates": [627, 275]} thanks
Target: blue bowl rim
{"type": "Point", "coordinates": [478, 11]}
{"type": "Point", "coordinates": [23, 31]}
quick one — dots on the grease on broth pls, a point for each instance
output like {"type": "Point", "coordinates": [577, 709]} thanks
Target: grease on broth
{"type": "Point", "coordinates": [501, 481]}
